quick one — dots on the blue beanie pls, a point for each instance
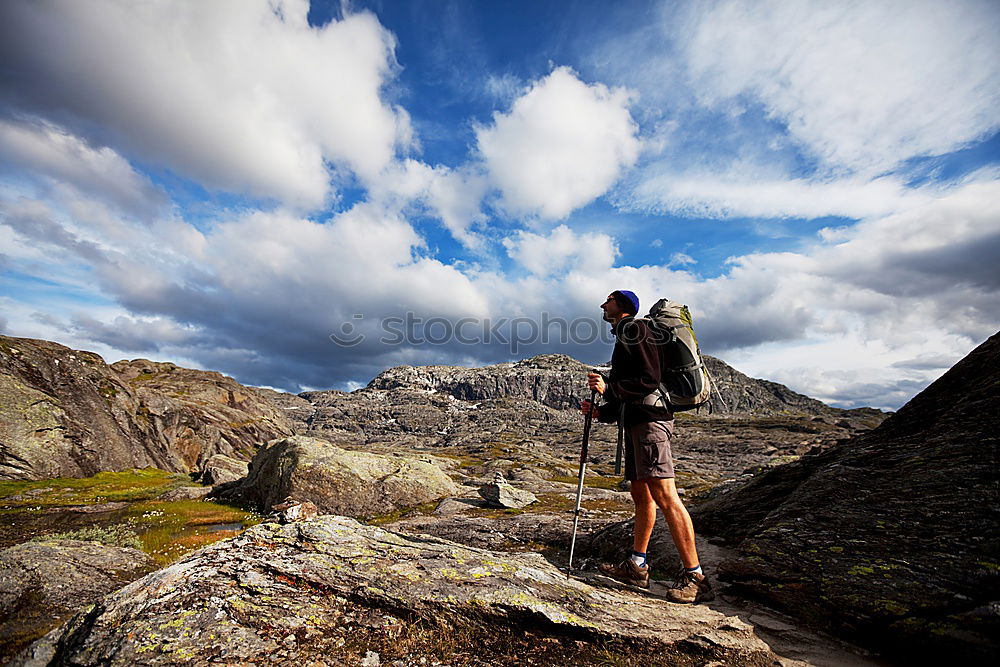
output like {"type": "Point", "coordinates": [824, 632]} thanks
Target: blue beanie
{"type": "Point", "coordinates": [626, 298]}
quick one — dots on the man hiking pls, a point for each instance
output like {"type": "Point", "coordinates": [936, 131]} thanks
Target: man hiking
{"type": "Point", "coordinates": [632, 397]}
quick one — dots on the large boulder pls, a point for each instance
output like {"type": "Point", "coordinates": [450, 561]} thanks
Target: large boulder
{"type": "Point", "coordinates": [66, 413]}
{"type": "Point", "coordinates": [891, 538]}
{"type": "Point", "coordinates": [333, 591]}
{"type": "Point", "coordinates": [43, 583]}
{"type": "Point", "coordinates": [339, 481]}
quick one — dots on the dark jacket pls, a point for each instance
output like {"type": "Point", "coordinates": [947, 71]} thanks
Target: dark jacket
{"type": "Point", "coordinates": [635, 373]}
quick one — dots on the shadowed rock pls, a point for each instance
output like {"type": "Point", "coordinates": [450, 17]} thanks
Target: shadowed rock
{"type": "Point", "coordinates": [334, 590]}
{"type": "Point", "coordinates": [891, 537]}
{"type": "Point", "coordinates": [355, 484]}
{"type": "Point", "coordinates": [43, 583]}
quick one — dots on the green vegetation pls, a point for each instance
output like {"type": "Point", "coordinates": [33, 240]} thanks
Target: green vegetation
{"type": "Point", "coordinates": [170, 529]}
{"type": "Point", "coordinates": [166, 530]}
{"type": "Point", "coordinates": [390, 517]}
{"type": "Point", "coordinates": [128, 486]}
{"type": "Point", "coordinates": [593, 482]}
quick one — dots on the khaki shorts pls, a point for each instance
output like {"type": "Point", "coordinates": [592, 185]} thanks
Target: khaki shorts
{"type": "Point", "coordinates": [647, 450]}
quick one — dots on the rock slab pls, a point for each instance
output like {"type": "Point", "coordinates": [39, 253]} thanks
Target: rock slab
{"type": "Point", "coordinates": [43, 583]}
{"type": "Point", "coordinates": [335, 590]}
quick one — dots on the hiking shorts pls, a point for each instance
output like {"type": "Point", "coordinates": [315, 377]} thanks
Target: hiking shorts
{"type": "Point", "coordinates": [647, 450]}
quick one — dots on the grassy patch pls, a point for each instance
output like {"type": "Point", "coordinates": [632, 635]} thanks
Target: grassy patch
{"type": "Point", "coordinates": [128, 486]}
{"type": "Point", "coordinates": [390, 517]}
{"type": "Point", "coordinates": [593, 482]}
{"type": "Point", "coordinates": [168, 530]}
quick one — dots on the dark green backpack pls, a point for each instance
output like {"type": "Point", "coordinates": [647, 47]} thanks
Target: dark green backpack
{"type": "Point", "coordinates": [684, 381]}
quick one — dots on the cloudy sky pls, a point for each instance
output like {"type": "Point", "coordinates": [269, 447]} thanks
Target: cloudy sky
{"type": "Point", "coordinates": [225, 184]}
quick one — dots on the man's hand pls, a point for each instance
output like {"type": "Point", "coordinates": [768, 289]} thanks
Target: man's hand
{"type": "Point", "coordinates": [587, 406]}
{"type": "Point", "coordinates": [596, 382]}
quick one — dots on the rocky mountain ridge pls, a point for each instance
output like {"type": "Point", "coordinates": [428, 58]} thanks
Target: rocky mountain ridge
{"type": "Point", "coordinates": [66, 413]}
{"type": "Point", "coordinates": [557, 381]}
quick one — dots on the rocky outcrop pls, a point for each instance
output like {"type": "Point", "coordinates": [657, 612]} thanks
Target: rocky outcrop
{"type": "Point", "coordinates": [891, 537]}
{"type": "Point", "coordinates": [43, 583]}
{"type": "Point", "coordinates": [743, 396]}
{"type": "Point", "coordinates": [339, 481]}
{"type": "Point", "coordinates": [336, 591]}
{"type": "Point", "coordinates": [65, 413]}
{"type": "Point", "coordinates": [550, 379]}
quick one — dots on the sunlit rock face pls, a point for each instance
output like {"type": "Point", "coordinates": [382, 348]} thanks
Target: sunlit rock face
{"type": "Point", "coordinates": [65, 413]}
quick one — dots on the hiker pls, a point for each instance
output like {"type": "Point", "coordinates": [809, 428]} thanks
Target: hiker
{"type": "Point", "coordinates": [631, 397]}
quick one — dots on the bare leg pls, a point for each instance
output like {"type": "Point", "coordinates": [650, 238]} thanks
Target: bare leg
{"type": "Point", "coordinates": [663, 492]}
{"type": "Point", "coordinates": [645, 515]}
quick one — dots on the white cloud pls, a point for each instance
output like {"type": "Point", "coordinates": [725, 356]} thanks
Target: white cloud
{"type": "Point", "coordinates": [563, 144]}
{"type": "Point", "coordinates": [239, 95]}
{"type": "Point", "coordinates": [562, 251]}
{"type": "Point", "coordinates": [737, 195]}
{"type": "Point", "coordinates": [61, 157]}
{"type": "Point", "coordinates": [681, 259]}
{"type": "Point", "coordinates": [454, 196]}
{"type": "Point", "coordinates": [863, 85]}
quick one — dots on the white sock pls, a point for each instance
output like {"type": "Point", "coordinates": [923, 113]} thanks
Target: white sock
{"type": "Point", "coordinates": [638, 559]}
{"type": "Point", "coordinates": [695, 570]}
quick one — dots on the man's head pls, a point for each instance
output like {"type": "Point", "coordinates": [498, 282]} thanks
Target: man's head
{"type": "Point", "coordinates": [619, 304]}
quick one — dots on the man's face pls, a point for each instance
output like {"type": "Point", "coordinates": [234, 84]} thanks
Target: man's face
{"type": "Point", "coordinates": [612, 311]}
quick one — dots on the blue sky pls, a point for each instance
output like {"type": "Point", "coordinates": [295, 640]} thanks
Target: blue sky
{"type": "Point", "coordinates": [226, 184]}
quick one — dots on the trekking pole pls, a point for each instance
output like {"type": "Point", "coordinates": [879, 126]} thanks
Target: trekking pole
{"type": "Point", "coordinates": [619, 449]}
{"type": "Point", "coordinates": [583, 469]}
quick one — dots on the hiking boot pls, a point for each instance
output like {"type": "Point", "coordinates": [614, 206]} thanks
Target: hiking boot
{"type": "Point", "coordinates": [690, 587]}
{"type": "Point", "coordinates": [627, 571]}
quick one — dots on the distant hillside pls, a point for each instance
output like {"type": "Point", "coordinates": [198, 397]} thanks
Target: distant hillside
{"type": "Point", "coordinates": [558, 381]}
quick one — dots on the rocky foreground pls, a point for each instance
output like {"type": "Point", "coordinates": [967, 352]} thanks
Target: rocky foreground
{"type": "Point", "coordinates": [332, 591]}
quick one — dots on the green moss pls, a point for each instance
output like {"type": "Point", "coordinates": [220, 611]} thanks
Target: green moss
{"type": "Point", "coordinates": [891, 607]}
{"type": "Point", "coordinates": [118, 535]}
{"type": "Point", "coordinates": [390, 517]}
